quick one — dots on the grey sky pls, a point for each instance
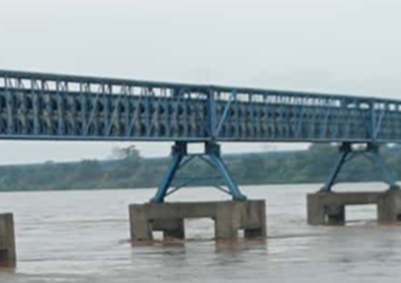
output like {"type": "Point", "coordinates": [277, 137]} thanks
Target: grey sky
{"type": "Point", "coordinates": [345, 46]}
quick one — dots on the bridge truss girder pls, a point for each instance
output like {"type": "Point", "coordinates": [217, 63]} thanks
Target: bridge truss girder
{"type": "Point", "coordinates": [37, 106]}
{"type": "Point", "coordinates": [63, 107]}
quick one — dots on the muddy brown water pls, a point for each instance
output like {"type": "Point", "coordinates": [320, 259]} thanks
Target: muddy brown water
{"type": "Point", "coordinates": [83, 236]}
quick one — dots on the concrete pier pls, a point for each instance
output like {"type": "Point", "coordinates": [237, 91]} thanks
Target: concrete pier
{"type": "Point", "coordinates": [328, 208]}
{"type": "Point", "coordinates": [228, 216]}
{"type": "Point", "coordinates": [7, 241]}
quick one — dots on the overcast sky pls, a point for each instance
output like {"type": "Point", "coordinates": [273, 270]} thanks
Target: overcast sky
{"type": "Point", "coordinates": [344, 46]}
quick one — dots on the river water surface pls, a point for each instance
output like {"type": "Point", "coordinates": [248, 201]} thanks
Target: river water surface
{"type": "Point", "coordinates": [83, 236]}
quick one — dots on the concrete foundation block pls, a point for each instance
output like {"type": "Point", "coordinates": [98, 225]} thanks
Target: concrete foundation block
{"type": "Point", "coordinates": [315, 209]}
{"type": "Point", "coordinates": [255, 214]}
{"type": "Point", "coordinates": [229, 217]}
{"type": "Point", "coordinates": [140, 225]}
{"type": "Point", "coordinates": [328, 208]}
{"type": "Point", "coordinates": [227, 220]}
{"type": "Point", "coordinates": [389, 207]}
{"type": "Point", "coordinates": [7, 241]}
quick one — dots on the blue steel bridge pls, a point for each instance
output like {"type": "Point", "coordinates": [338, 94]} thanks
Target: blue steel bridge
{"type": "Point", "coordinates": [39, 106]}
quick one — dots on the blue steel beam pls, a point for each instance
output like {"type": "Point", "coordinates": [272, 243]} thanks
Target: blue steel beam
{"type": "Point", "coordinates": [63, 107]}
{"type": "Point", "coordinates": [344, 150]}
{"type": "Point", "coordinates": [179, 151]}
{"type": "Point", "coordinates": [346, 154]}
{"type": "Point", "coordinates": [38, 106]}
{"type": "Point", "coordinates": [211, 156]}
{"type": "Point", "coordinates": [378, 160]}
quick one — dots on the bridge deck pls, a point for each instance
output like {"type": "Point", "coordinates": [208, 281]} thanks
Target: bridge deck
{"type": "Point", "coordinates": [62, 107]}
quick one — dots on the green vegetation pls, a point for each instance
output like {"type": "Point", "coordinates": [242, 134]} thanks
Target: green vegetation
{"type": "Point", "coordinates": [129, 170]}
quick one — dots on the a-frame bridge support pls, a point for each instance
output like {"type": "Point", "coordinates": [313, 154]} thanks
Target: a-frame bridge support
{"type": "Point", "coordinates": [229, 216]}
{"type": "Point", "coordinates": [371, 152]}
{"type": "Point", "coordinates": [328, 208]}
{"type": "Point", "coordinates": [181, 158]}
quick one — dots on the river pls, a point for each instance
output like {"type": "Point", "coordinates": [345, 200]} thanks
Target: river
{"type": "Point", "coordinates": [83, 236]}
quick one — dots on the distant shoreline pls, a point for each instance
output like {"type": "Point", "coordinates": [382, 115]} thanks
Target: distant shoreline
{"type": "Point", "coordinates": [131, 171]}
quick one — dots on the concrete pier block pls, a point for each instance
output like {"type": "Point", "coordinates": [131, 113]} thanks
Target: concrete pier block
{"type": "Point", "coordinates": [255, 214]}
{"type": "Point", "coordinates": [227, 220]}
{"type": "Point", "coordinates": [140, 225]}
{"type": "Point", "coordinates": [315, 209]}
{"type": "Point", "coordinates": [324, 209]}
{"type": "Point", "coordinates": [229, 217]}
{"type": "Point", "coordinates": [7, 241]}
{"type": "Point", "coordinates": [389, 207]}
{"type": "Point", "coordinates": [328, 208]}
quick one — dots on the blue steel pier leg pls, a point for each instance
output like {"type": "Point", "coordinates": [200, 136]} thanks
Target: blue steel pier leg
{"type": "Point", "coordinates": [378, 160]}
{"type": "Point", "coordinates": [345, 150]}
{"type": "Point", "coordinates": [179, 150]}
{"type": "Point", "coordinates": [213, 150]}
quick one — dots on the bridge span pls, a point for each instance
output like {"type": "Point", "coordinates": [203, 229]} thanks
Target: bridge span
{"type": "Point", "coordinates": [52, 107]}
{"type": "Point", "coordinates": [39, 106]}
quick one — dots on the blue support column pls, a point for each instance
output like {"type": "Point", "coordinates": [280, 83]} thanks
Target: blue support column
{"type": "Point", "coordinates": [374, 156]}
{"type": "Point", "coordinates": [211, 156]}
{"type": "Point", "coordinates": [381, 164]}
{"type": "Point", "coordinates": [213, 150]}
{"type": "Point", "coordinates": [345, 150]}
{"type": "Point", "coordinates": [178, 152]}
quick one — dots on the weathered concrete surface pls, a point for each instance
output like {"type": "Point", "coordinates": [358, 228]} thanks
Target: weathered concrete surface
{"type": "Point", "coordinates": [7, 241]}
{"type": "Point", "coordinates": [389, 207]}
{"type": "Point", "coordinates": [229, 217]}
{"type": "Point", "coordinates": [328, 208]}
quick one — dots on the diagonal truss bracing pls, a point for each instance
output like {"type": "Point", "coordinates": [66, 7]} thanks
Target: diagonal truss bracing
{"type": "Point", "coordinates": [63, 107]}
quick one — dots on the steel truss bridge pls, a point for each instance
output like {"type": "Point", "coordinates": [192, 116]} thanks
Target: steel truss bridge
{"type": "Point", "coordinates": [38, 106]}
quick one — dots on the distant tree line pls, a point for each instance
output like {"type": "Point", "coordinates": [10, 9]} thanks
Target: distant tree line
{"type": "Point", "coordinates": [127, 169]}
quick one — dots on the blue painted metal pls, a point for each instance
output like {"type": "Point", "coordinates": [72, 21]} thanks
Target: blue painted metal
{"type": "Point", "coordinates": [344, 150]}
{"type": "Point", "coordinates": [38, 106]}
{"type": "Point", "coordinates": [346, 154]}
{"type": "Point", "coordinates": [181, 157]}
{"type": "Point", "coordinates": [179, 151]}
{"type": "Point", "coordinates": [54, 107]}
{"type": "Point", "coordinates": [213, 150]}
{"type": "Point", "coordinates": [381, 164]}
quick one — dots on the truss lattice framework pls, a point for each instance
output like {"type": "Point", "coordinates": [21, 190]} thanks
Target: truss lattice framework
{"type": "Point", "coordinates": [181, 158]}
{"type": "Point", "coordinates": [371, 152]}
{"type": "Point", "coordinates": [49, 106]}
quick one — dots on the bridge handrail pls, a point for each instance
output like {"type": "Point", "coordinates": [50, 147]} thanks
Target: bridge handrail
{"type": "Point", "coordinates": [314, 97]}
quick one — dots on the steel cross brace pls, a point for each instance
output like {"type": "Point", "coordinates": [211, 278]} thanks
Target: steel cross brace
{"type": "Point", "coordinates": [346, 154]}
{"type": "Point", "coordinates": [179, 152]}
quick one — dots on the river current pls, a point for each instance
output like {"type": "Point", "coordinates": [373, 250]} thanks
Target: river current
{"type": "Point", "coordinates": [83, 236]}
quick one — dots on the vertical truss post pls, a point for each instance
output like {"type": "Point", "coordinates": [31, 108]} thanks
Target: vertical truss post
{"type": "Point", "coordinates": [345, 149]}
{"type": "Point", "coordinates": [381, 164]}
{"type": "Point", "coordinates": [211, 108]}
{"type": "Point", "coordinates": [211, 156]}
